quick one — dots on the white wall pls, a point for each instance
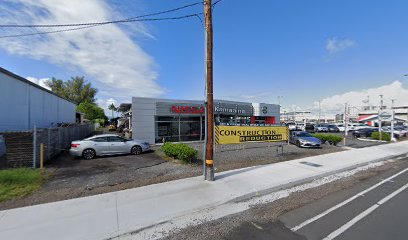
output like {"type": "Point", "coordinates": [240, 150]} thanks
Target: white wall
{"type": "Point", "coordinates": [22, 106]}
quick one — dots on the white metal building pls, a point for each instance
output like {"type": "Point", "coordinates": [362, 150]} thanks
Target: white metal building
{"type": "Point", "coordinates": [24, 104]}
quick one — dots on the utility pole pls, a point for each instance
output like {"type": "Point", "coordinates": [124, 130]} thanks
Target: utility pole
{"type": "Point", "coordinates": [379, 118]}
{"type": "Point", "coordinates": [209, 156]}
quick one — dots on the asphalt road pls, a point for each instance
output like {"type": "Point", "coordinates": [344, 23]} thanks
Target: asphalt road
{"type": "Point", "coordinates": [377, 189]}
{"type": "Point", "coordinates": [380, 213]}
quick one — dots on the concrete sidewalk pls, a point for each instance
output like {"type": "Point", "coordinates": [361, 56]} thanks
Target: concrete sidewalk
{"type": "Point", "coordinates": [110, 215]}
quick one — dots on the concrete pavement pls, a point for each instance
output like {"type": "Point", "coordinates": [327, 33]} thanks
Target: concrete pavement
{"type": "Point", "coordinates": [114, 214]}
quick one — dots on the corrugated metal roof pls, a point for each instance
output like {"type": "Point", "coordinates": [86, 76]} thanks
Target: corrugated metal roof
{"type": "Point", "coordinates": [17, 77]}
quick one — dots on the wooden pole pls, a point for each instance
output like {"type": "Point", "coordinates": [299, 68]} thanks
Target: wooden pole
{"type": "Point", "coordinates": [209, 158]}
{"type": "Point", "coordinates": [41, 155]}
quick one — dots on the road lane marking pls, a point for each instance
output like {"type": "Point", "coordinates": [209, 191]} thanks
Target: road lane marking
{"type": "Point", "coordinates": [362, 215]}
{"type": "Point", "coordinates": [303, 224]}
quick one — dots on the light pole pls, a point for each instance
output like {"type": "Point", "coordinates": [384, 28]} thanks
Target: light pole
{"type": "Point", "coordinates": [392, 120]}
{"type": "Point", "coordinates": [318, 121]}
{"type": "Point", "coordinates": [379, 118]}
{"type": "Point", "coordinates": [345, 123]}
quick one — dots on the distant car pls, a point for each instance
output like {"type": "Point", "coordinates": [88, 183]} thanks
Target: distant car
{"type": "Point", "coordinates": [300, 126]}
{"type": "Point", "coordinates": [397, 133]}
{"type": "Point", "coordinates": [291, 126]}
{"type": "Point", "coordinates": [402, 131]}
{"type": "Point", "coordinates": [321, 128]}
{"type": "Point", "coordinates": [107, 144]}
{"type": "Point", "coordinates": [333, 128]}
{"type": "Point", "coordinates": [309, 128]}
{"type": "Point", "coordinates": [364, 132]}
{"type": "Point", "coordinates": [341, 127]}
{"type": "Point", "coordinates": [111, 128]}
{"type": "Point", "coordinates": [356, 126]}
{"type": "Point", "coordinates": [304, 139]}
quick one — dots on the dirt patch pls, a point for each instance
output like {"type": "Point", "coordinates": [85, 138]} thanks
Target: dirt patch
{"type": "Point", "coordinates": [76, 177]}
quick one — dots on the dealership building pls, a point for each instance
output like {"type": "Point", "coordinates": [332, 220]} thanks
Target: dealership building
{"type": "Point", "coordinates": [158, 120]}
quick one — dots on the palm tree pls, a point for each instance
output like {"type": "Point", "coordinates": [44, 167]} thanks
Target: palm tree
{"type": "Point", "coordinates": [113, 108]}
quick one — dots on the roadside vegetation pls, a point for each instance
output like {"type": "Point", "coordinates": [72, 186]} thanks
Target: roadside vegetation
{"type": "Point", "coordinates": [332, 139]}
{"type": "Point", "coordinates": [179, 151]}
{"type": "Point", "coordinates": [19, 182]}
{"type": "Point", "coordinates": [384, 137]}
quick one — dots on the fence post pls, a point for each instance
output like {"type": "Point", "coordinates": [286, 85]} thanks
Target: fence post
{"type": "Point", "coordinates": [49, 144]}
{"type": "Point", "coordinates": [34, 146]}
{"type": "Point", "coordinates": [42, 155]}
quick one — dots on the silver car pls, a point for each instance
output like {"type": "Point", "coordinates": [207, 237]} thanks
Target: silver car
{"type": "Point", "coordinates": [107, 144]}
{"type": "Point", "coordinates": [304, 139]}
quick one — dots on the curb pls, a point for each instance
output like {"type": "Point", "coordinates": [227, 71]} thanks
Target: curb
{"type": "Point", "coordinates": [306, 180]}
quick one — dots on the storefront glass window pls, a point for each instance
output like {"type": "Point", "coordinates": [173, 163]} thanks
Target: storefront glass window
{"type": "Point", "coordinates": [179, 128]}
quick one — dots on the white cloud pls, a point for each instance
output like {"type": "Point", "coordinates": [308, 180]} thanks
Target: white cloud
{"type": "Point", "coordinates": [106, 53]}
{"type": "Point", "coordinates": [394, 90]}
{"type": "Point", "coordinates": [39, 81]}
{"type": "Point", "coordinates": [333, 45]}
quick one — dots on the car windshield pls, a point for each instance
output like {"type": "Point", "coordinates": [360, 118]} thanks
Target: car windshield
{"type": "Point", "coordinates": [304, 134]}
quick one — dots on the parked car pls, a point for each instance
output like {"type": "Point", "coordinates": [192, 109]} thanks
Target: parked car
{"type": "Point", "coordinates": [333, 128]}
{"type": "Point", "coordinates": [321, 128]}
{"type": "Point", "coordinates": [309, 128]}
{"type": "Point", "coordinates": [402, 131]}
{"type": "Point", "coordinates": [291, 126]}
{"type": "Point", "coordinates": [107, 144]}
{"type": "Point", "coordinates": [397, 133]}
{"type": "Point", "coordinates": [304, 139]}
{"type": "Point", "coordinates": [364, 132]}
{"type": "Point", "coordinates": [356, 126]}
{"type": "Point", "coordinates": [340, 126]}
{"type": "Point", "coordinates": [300, 126]}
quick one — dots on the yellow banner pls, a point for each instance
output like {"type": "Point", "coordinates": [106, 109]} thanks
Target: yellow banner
{"type": "Point", "coordinates": [242, 134]}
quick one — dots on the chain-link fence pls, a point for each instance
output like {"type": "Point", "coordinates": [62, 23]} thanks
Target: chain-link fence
{"type": "Point", "coordinates": [23, 147]}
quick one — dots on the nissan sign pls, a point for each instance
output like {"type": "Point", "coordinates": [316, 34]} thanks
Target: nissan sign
{"type": "Point", "coordinates": [385, 116]}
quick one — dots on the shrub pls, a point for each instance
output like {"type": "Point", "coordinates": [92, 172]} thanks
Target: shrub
{"type": "Point", "coordinates": [179, 151]}
{"type": "Point", "coordinates": [385, 136]}
{"type": "Point", "coordinates": [331, 138]}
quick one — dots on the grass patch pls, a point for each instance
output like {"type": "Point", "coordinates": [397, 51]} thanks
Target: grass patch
{"type": "Point", "coordinates": [19, 182]}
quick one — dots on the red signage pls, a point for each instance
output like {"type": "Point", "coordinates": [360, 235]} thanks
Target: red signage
{"type": "Point", "coordinates": [187, 109]}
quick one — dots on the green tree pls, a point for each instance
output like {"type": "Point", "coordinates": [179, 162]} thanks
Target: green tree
{"type": "Point", "coordinates": [76, 89]}
{"type": "Point", "coordinates": [113, 108]}
{"type": "Point", "coordinates": [91, 111]}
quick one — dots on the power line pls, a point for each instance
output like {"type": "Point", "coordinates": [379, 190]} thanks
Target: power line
{"type": "Point", "coordinates": [98, 23]}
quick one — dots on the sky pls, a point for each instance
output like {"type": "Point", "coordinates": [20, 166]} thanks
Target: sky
{"type": "Point", "coordinates": [334, 51]}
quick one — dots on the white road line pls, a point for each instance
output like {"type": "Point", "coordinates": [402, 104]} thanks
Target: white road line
{"type": "Point", "coordinates": [295, 228]}
{"type": "Point", "coordinates": [362, 215]}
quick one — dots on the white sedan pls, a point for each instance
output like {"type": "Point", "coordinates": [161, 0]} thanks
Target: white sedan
{"type": "Point", "coordinates": [107, 144]}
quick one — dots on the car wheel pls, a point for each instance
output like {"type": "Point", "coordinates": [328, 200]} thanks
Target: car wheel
{"type": "Point", "coordinates": [136, 150]}
{"type": "Point", "coordinates": [298, 143]}
{"type": "Point", "coordinates": [88, 154]}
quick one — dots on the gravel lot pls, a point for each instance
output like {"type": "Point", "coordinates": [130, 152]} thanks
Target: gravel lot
{"type": "Point", "coordinates": [76, 177]}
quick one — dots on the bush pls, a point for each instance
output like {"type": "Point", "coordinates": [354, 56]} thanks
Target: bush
{"type": "Point", "coordinates": [331, 138]}
{"type": "Point", "coordinates": [179, 151]}
{"type": "Point", "coordinates": [385, 136]}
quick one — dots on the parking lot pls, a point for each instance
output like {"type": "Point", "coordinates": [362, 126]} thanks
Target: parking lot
{"type": "Point", "coordinates": [75, 177]}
